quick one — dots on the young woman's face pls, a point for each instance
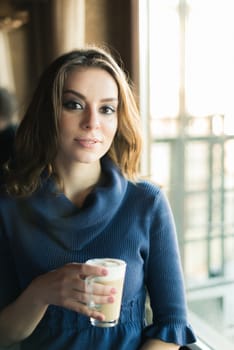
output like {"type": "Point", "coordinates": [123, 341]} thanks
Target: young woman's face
{"type": "Point", "coordinates": [89, 117]}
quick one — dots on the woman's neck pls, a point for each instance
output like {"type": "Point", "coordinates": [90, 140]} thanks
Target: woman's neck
{"type": "Point", "coordinates": [79, 180]}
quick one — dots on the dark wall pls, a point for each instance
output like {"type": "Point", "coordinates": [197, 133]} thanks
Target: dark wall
{"type": "Point", "coordinates": [107, 22]}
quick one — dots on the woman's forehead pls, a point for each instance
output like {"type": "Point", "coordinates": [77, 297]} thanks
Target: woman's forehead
{"type": "Point", "coordinates": [91, 84]}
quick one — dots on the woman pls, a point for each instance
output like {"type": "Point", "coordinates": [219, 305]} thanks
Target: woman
{"type": "Point", "coordinates": [72, 193]}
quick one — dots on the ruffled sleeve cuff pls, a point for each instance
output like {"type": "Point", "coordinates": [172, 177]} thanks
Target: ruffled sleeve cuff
{"type": "Point", "coordinates": [178, 333]}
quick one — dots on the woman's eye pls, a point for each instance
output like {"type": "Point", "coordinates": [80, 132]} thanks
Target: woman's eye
{"type": "Point", "coordinates": [107, 110]}
{"type": "Point", "coordinates": [72, 105]}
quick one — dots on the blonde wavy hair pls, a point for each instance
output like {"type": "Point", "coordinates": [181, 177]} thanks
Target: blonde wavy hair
{"type": "Point", "coordinates": [36, 142]}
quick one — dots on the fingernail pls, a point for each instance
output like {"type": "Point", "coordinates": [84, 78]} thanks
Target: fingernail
{"type": "Point", "coordinates": [104, 272]}
{"type": "Point", "coordinates": [113, 290]}
{"type": "Point", "coordinates": [101, 318]}
{"type": "Point", "coordinates": [111, 300]}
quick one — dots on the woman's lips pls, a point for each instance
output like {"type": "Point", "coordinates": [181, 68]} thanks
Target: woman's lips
{"type": "Point", "coordinates": [87, 142]}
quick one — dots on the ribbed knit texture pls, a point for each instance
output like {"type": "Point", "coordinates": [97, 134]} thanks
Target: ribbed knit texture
{"type": "Point", "coordinates": [119, 220]}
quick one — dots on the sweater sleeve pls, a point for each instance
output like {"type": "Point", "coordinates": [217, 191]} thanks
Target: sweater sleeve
{"type": "Point", "coordinates": [9, 288]}
{"type": "Point", "coordinates": [164, 280]}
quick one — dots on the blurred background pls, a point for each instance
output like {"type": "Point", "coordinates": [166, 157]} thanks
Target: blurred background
{"type": "Point", "coordinates": [180, 56]}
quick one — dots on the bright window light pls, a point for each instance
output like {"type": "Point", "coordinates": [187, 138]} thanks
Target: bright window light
{"type": "Point", "coordinates": [191, 61]}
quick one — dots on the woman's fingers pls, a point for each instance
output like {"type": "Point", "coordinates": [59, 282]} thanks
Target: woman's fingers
{"type": "Point", "coordinates": [67, 287]}
{"type": "Point", "coordinates": [85, 270]}
{"type": "Point", "coordinates": [84, 298]}
{"type": "Point", "coordinates": [85, 310]}
{"type": "Point", "coordinates": [97, 288]}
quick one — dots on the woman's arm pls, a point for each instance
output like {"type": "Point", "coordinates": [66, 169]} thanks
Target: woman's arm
{"type": "Point", "coordinates": [165, 282]}
{"type": "Point", "coordinates": [19, 319]}
{"type": "Point", "coordinates": [62, 287]}
{"type": "Point", "coordinates": [154, 344]}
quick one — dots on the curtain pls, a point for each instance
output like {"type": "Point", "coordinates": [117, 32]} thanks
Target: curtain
{"type": "Point", "coordinates": [68, 25]}
{"type": "Point", "coordinates": [6, 76]}
{"type": "Point", "coordinates": [57, 26]}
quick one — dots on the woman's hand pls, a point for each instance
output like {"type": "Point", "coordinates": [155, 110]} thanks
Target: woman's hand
{"type": "Point", "coordinates": [66, 287]}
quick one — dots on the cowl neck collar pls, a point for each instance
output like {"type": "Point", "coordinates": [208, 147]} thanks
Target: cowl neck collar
{"type": "Point", "coordinates": [70, 226]}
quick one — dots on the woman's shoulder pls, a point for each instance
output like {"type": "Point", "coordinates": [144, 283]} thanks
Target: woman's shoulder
{"type": "Point", "coordinates": [5, 198]}
{"type": "Point", "coordinates": [147, 186]}
{"type": "Point", "coordinates": [149, 197]}
{"type": "Point", "coordinates": [146, 189]}
{"type": "Point", "coordinates": [6, 202]}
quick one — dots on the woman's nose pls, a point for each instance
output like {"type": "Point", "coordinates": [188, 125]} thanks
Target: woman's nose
{"type": "Point", "coordinates": [91, 119]}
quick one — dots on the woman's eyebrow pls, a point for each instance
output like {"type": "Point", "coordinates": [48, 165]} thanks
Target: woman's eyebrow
{"type": "Point", "coordinates": [78, 94]}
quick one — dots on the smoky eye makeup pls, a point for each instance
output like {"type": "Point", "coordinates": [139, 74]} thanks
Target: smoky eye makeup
{"type": "Point", "coordinates": [71, 104]}
{"type": "Point", "coordinates": [71, 100]}
{"type": "Point", "coordinates": [107, 109]}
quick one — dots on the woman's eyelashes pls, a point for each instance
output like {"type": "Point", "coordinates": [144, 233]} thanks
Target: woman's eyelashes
{"type": "Point", "coordinates": [75, 105]}
{"type": "Point", "coordinates": [107, 109]}
{"type": "Point", "coordinates": [72, 105]}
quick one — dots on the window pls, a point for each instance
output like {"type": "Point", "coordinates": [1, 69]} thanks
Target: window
{"type": "Point", "coordinates": [187, 104]}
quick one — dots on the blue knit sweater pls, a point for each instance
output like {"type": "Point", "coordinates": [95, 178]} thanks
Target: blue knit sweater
{"type": "Point", "coordinates": [119, 219]}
